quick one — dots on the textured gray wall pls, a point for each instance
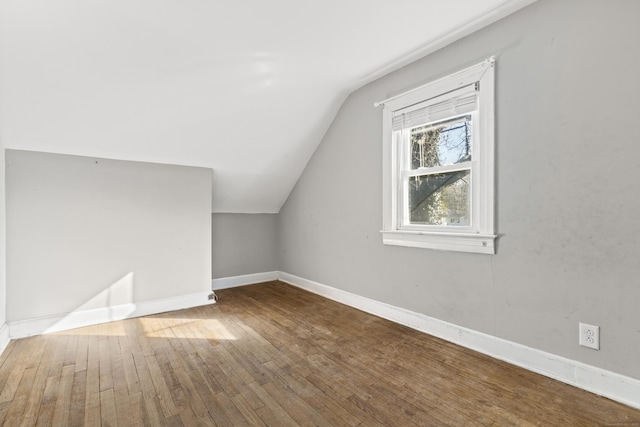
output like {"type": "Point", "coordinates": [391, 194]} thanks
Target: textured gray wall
{"type": "Point", "coordinates": [568, 156]}
{"type": "Point", "coordinates": [87, 233]}
{"type": "Point", "coordinates": [243, 244]}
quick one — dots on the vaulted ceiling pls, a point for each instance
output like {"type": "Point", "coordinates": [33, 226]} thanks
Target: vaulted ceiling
{"type": "Point", "coordinates": [245, 87]}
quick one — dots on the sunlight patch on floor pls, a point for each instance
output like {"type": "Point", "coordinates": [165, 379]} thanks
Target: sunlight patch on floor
{"type": "Point", "coordinates": [156, 327]}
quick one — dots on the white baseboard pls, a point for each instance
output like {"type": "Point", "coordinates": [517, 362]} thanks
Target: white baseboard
{"type": "Point", "coordinates": [596, 380]}
{"type": "Point", "coordinates": [77, 319]}
{"type": "Point", "coordinates": [247, 279]}
{"type": "Point", "coordinates": [4, 337]}
{"type": "Point", "coordinates": [609, 384]}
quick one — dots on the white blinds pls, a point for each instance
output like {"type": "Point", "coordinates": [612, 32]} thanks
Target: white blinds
{"type": "Point", "coordinates": [455, 103]}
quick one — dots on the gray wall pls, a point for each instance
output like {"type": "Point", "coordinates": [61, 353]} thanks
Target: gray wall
{"type": "Point", "coordinates": [3, 241]}
{"type": "Point", "coordinates": [568, 156]}
{"type": "Point", "coordinates": [243, 244]}
{"type": "Point", "coordinates": [87, 233]}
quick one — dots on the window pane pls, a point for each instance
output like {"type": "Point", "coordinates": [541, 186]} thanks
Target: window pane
{"type": "Point", "coordinates": [440, 199]}
{"type": "Point", "coordinates": [441, 143]}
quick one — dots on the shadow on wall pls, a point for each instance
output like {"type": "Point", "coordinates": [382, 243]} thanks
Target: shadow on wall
{"type": "Point", "coordinates": [116, 303]}
{"type": "Point", "coordinates": [113, 303]}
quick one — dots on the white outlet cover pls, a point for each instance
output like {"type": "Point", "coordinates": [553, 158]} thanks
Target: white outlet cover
{"type": "Point", "coordinates": [589, 336]}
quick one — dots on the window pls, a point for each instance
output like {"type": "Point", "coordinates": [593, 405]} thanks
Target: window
{"type": "Point", "coordinates": [438, 142]}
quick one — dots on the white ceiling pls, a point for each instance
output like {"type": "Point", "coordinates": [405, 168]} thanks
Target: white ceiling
{"type": "Point", "coordinates": [245, 87]}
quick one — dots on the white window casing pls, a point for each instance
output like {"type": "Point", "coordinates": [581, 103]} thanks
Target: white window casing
{"type": "Point", "coordinates": [467, 92]}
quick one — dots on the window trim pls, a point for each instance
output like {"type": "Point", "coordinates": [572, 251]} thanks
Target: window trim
{"type": "Point", "coordinates": [480, 237]}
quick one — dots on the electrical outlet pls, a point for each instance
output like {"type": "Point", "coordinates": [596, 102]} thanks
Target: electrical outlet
{"type": "Point", "coordinates": [589, 336]}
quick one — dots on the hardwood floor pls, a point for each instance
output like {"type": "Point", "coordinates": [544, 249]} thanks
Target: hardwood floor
{"type": "Point", "coordinates": [271, 354]}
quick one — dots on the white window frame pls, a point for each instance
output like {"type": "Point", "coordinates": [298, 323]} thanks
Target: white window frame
{"type": "Point", "coordinates": [479, 237]}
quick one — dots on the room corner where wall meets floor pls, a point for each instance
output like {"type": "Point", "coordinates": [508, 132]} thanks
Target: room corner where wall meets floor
{"type": "Point", "coordinates": [605, 383]}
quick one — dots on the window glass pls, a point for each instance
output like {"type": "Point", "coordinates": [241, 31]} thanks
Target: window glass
{"type": "Point", "coordinates": [443, 143]}
{"type": "Point", "coordinates": [440, 199]}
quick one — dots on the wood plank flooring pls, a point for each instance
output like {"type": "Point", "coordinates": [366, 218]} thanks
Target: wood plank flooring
{"type": "Point", "coordinates": [270, 354]}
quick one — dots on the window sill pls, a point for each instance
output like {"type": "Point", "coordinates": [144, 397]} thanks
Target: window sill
{"type": "Point", "coordinates": [460, 242]}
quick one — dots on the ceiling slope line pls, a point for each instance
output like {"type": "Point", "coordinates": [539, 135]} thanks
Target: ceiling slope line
{"type": "Point", "coordinates": [444, 40]}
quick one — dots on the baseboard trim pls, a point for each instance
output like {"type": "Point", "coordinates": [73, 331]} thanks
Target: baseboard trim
{"type": "Point", "coordinates": [77, 319]}
{"type": "Point", "coordinates": [596, 380]}
{"type": "Point", "coordinates": [246, 279]}
{"type": "Point", "coordinates": [4, 337]}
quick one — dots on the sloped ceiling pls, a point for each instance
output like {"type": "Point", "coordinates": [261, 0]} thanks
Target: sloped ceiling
{"type": "Point", "coordinates": [245, 87]}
